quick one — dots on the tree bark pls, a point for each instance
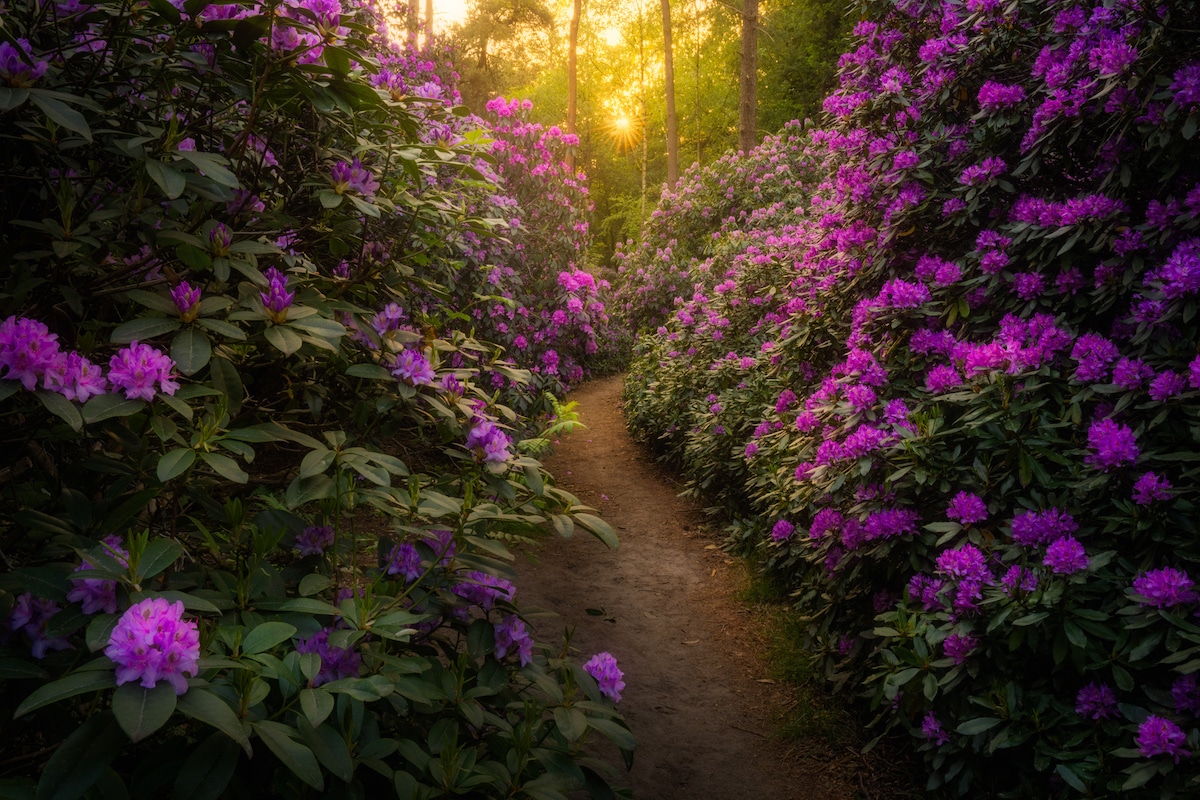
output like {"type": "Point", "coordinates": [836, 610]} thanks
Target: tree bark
{"type": "Point", "coordinates": [669, 88]}
{"type": "Point", "coordinates": [573, 78]}
{"type": "Point", "coordinates": [748, 79]}
{"type": "Point", "coordinates": [428, 21]}
{"type": "Point", "coordinates": [414, 20]}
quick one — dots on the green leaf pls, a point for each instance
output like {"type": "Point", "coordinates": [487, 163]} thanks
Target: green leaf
{"type": "Point", "coordinates": [152, 301]}
{"type": "Point", "coordinates": [370, 372]}
{"type": "Point", "coordinates": [295, 756]}
{"type": "Point", "coordinates": [317, 705]}
{"type": "Point", "coordinates": [61, 407]}
{"type": "Point", "coordinates": [212, 165]}
{"type": "Point", "coordinates": [227, 381]}
{"type": "Point", "coordinates": [615, 733]}
{"type": "Point", "coordinates": [191, 350]}
{"type": "Point", "coordinates": [571, 721]}
{"type": "Point", "coordinates": [143, 328]}
{"type": "Point", "coordinates": [599, 528]}
{"type": "Point", "coordinates": [319, 326]}
{"type": "Point", "coordinates": [265, 636]}
{"type": "Point", "coordinates": [10, 98]}
{"type": "Point", "coordinates": [223, 328]}
{"type": "Point", "coordinates": [285, 340]}
{"type": "Point", "coordinates": [208, 770]}
{"type": "Point", "coordinates": [107, 406]}
{"type": "Point", "coordinates": [141, 711]}
{"type": "Point", "coordinates": [16, 668]}
{"type": "Point", "coordinates": [201, 704]}
{"type": "Point", "coordinates": [169, 179]}
{"type": "Point", "coordinates": [81, 759]}
{"type": "Point", "coordinates": [226, 467]}
{"type": "Point", "coordinates": [1068, 775]}
{"type": "Point", "coordinates": [329, 198]}
{"type": "Point", "coordinates": [63, 115]}
{"type": "Point", "coordinates": [312, 584]}
{"type": "Point", "coordinates": [76, 683]}
{"type": "Point", "coordinates": [978, 725]}
{"type": "Point", "coordinates": [175, 463]}
{"type": "Point", "coordinates": [329, 747]}
{"type": "Point", "coordinates": [99, 631]}
{"type": "Point", "coordinates": [159, 554]}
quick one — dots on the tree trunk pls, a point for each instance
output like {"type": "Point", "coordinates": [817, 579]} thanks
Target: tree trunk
{"type": "Point", "coordinates": [669, 88]}
{"type": "Point", "coordinates": [748, 79]}
{"type": "Point", "coordinates": [428, 21]}
{"type": "Point", "coordinates": [573, 79]}
{"type": "Point", "coordinates": [414, 21]}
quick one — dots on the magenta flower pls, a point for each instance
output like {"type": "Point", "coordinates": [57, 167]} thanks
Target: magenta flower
{"type": "Point", "coordinates": [1031, 528]}
{"type": "Point", "coordinates": [1066, 556]}
{"type": "Point", "coordinates": [1150, 488]}
{"type": "Point", "coordinates": [153, 642]}
{"type": "Point", "coordinates": [405, 561]}
{"type": "Point", "coordinates": [31, 616]}
{"type": "Point", "coordinates": [931, 729]}
{"type": "Point", "coordinates": [994, 96]}
{"type": "Point", "coordinates": [27, 350]}
{"type": "Point", "coordinates": [1112, 444]}
{"type": "Point", "coordinates": [603, 667]}
{"type": "Point", "coordinates": [1019, 578]}
{"type": "Point", "coordinates": [354, 178]}
{"type": "Point", "coordinates": [958, 647]}
{"type": "Point", "coordinates": [489, 443]}
{"type": "Point", "coordinates": [75, 378]}
{"type": "Point", "coordinates": [1164, 588]}
{"type": "Point", "coordinates": [14, 71]}
{"type": "Point", "coordinates": [220, 239]}
{"type": "Point", "coordinates": [141, 371]}
{"type": "Point", "coordinates": [483, 590]}
{"type": "Point", "coordinates": [782, 530]}
{"type": "Point", "coordinates": [1158, 736]}
{"type": "Point", "coordinates": [187, 300]}
{"type": "Point", "coordinates": [967, 508]}
{"type": "Point", "coordinates": [98, 594]}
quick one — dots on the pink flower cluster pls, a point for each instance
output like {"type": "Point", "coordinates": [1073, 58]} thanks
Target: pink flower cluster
{"type": "Point", "coordinates": [603, 667]}
{"type": "Point", "coordinates": [152, 642]}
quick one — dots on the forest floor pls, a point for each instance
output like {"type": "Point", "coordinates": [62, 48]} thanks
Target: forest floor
{"type": "Point", "coordinates": [699, 696]}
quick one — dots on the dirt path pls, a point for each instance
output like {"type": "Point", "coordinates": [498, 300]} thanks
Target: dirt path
{"type": "Point", "coordinates": [695, 697]}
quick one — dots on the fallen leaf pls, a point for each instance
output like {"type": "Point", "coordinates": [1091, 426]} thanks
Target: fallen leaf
{"type": "Point", "coordinates": [692, 641]}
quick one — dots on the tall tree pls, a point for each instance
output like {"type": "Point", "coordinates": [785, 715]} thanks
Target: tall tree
{"type": "Point", "coordinates": [669, 90]}
{"type": "Point", "coordinates": [428, 20]}
{"type": "Point", "coordinates": [573, 76]}
{"type": "Point", "coordinates": [748, 79]}
{"type": "Point", "coordinates": [414, 20]}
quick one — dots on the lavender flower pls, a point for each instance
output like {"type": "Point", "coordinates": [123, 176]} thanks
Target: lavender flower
{"type": "Point", "coordinates": [931, 729]}
{"type": "Point", "coordinates": [413, 368]}
{"type": "Point", "coordinates": [1113, 445]}
{"type": "Point", "coordinates": [483, 590]}
{"type": "Point", "coordinates": [27, 350]}
{"type": "Point", "coordinates": [74, 377]}
{"type": "Point", "coordinates": [152, 641]}
{"type": "Point", "coordinates": [1096, 701]}
{"type": "Point", "coordinates": [405, 561]}
{"type": "Point", "coordinates": [187, 301]}
{"type": "Point", "coordinates": [1185, 693]}
{"type": "Point", "coordinates": [1158, 736]}
{"type": "Point", "coordinates": [488, 443]}
{"type": "Point", "coordinates": [276, 299]}
{"type": "Point", "coordinates": [14, 71]}
{"type": "Point", "coordinates": [141, 371]}
{"type": "Point", "coordinates": [782, 530]}
{"type": "Point", "coordinates": [313, 540]}
{"type": "Point", "coordinates": [354, 177]}
{"type": "Point", "coordinates": [1066, 556]}
{"type": "Point", "coordinates": [97, 594]}
{"type": "Point", "coordinates": [994, 96]}
{"type": "Point", "coordinates": [1166, 385]}
{"type": "Point", "coordinates": [1164, 588]}
{"type": "Point", "coordinates": [1031, 528]}
{"type": "Point", "coordinates": [31, 615]}
{"type": "Point", "coordinates": [603, 667]}
{"type": "Point", "coordinates": [1019, 578]}
{"type": "Point", "coordinates": [958, 647]}
{"type": "Point", "coordinates": [220, 239]}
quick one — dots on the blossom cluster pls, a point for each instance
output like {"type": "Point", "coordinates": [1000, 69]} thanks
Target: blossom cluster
{"type": "Point", "coordinates": [152, 642]}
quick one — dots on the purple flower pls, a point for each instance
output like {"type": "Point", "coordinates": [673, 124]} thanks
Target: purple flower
{"type": "Point", "coordinates": [152, 641]}
{"type": "Point", "coordinates": [1096, 701]}
{"type": "Point", "coordinates": [1031, 528]}
{"type": "Point", "coordinates": [14, 70]}
{"type": "Point", "coordinates": [336, 662]}
{"type": "Point", "coordinates": [1186, 85]}
{"type": "Point", "coordinates": [1164, 588]}
{"type": "Point", "coordinates": [942, 378]}
{"type": "Point", "coordinates": [27, 350]}
{"type": "Point", "coordinates": [967, 508]}
{"type": "Point", "coordinates": [1066, 556]}
{"type": "Point", "coordinates": [1018, 577]}
{"type": "Point", "coordinates": [1112, 445]}
{"type": "Point", "coordinates": [187, 300]}
{"type": "Point", "coordinates": [782, 531]}
{"type": "Point", "coordinates": [787, 399]}
{"type": "Point", "coordinates": [140, 371]}
{"type": "Point", "coordinates": [827, 520]}
{"type": "Point", "coordinates": [1150, 488]}
{"type": "Point", "coordinates": [75, 378]}
{"type": "Point", "coordinates": [983, 172]}
{"type": "Point", "coordinates": [1158, 736]}
{"type": "Point", "coordinates": [603, 667]}
{"type": "Point", "coordinates": [1186, 695]}
{"type": "Point", "coordinates": [354, 178]}
{"type": "Point", "coordinates": [413, 368]}
{"type": "Point", "coordinates": [931, 729]}
{"type": "Point", "coordinates": [958, 647]}
{"type": "Point", "coordinates": [511, 636]}
{"type": "Point", "coordinates": [276, 299]}
{"type": "Point", "coordinates": [1166, 385]}
{"type": "Point", "coordinates": [484, 590]}
{"type": "Point", "coordinates": [313, 540]}
{"type": "Point", "coordinates": [1094, 353]}
{"type": "Point", "coordinates": [405, 561]}
{"type": "Point", "coordinates": [994, 96]}
{"type": "Point", "coordinates": [488, 443]}
{"type": "Point", "coordinates": [1131, 373]}
{"type": "Point", "coordinates": [220, 239]}
{"type": "Point", "coordinates": [966, 562]}
{"type": "Point", "coordinates": [31, 615]}
{"type": "Point", "coordinates": [98, 594]}
{"type": "Point", "coordinates": [861, 397]}
{"type": "Point", "coordinates": [925, 589]}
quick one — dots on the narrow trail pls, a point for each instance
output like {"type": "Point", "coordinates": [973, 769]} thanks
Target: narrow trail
{"type": "Point", "coordinates": [697, 694]}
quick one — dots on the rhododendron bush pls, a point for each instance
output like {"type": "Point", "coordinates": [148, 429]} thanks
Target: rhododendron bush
{"type": "Point", "coordinates": [263, 469]}
{"type": "Point", "coordinates": [952, 391]}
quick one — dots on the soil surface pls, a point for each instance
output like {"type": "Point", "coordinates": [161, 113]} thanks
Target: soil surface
{"type": "Point", "coordinates": [698, 695]}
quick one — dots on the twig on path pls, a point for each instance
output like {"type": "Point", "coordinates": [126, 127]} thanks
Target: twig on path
{"type": "Point", "coordinates": [747, 730]}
